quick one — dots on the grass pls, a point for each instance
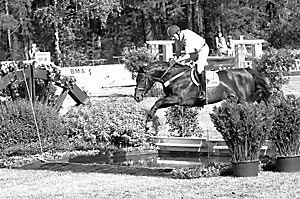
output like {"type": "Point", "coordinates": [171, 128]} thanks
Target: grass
{"type": "Point", "coordinates": [16, 183]}
{"type": "Point", "coordinates": [115, 183]}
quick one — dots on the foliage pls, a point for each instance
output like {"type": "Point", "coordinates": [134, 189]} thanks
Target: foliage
{"type": "Point", "coordinates": [276, 65]}
{"type": "Point", "coordinates": [212, 170]}
{"type": "Point", "coordinates": [108, 123]}
{"type": "Point", "coordinates": [284, 30]}
{"type": "Point", "coordinates": [18, 133]}
{"type": "Point", "coordinates": [75, 26]}
{"type": "Point", "coordinates": [137, 57]}
{"type": "Point", "coordinates": [244, 18]}
{"type": "Point", "coordinates": [244, 127]}
{"type": "Point", "coordinates": [285, 132]}
{"type": "Point", "coordinates": [183, 121]}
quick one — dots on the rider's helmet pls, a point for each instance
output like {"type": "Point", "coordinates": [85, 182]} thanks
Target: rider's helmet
{"type": "Point", "coordinates": [172, 30]}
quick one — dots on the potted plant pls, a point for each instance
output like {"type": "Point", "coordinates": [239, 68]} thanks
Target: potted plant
{"type": "Point", "coordinates": [285, 132]}
{"type": "Point", "coordinates": [244, 127]}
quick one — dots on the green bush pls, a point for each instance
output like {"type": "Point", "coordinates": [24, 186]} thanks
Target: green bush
{"type": "Point", "coordinates": [285, 132]}
{"type": "Point", "coordinates": [244, 127]}
{"type": "Point", "coordinates": [137, 57]}
{"type": "Point", "coordinates": [18, 132]}
{"type": "Point", "coordinates": [211, 170]}
{"type": "Point", "coordinates": [276, 65]}
{"type": "Point", "coordinates": [109, 122]}
{"type": "Point", "coordinates": [183, 121]}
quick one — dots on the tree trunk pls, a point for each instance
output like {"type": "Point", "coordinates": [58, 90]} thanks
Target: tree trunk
{"type": "Point", "coordinates": [8, 30]}
{"type": "Point", "coordinates": [198, 17]}
{"type": "Point", "coordinates": [190, 14]}
{"type": "Point", "coordinates": [148, 29]}
{"type": "Point", "coordinates": [219, 25]}
{"type": "Point", "coordinates": [163, 28]}
{"type": "Point", "coordinates": [56, 44]}
{"type": "Point", "coordinates": [56, 41]}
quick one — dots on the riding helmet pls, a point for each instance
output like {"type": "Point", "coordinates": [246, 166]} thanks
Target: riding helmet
{"type": "Point", "coordinates": [172, 30]}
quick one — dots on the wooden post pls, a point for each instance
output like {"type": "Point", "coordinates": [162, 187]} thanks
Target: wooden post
{"type": "Point", "coordinates": [61, 99]}
{"type": "Point", "coordinates": [167, 48]}
{"type": "Point", "coordinates": [31, 83]}
{"type": "Point", "coordinates": [240, 54]}
{"type": "Point", "coordinates": [78, 95]}
{"type": "Point", "coordinates": [33, 91]}
{"type": "Point", "coordinates": [167, 52]}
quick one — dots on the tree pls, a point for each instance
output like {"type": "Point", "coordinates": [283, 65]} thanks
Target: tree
{"type": "Point", "coordinates": [284, 29]}
{"type": "Point", "coordinates": [68, 17]}
{"type": "Point", "coordinates": [15, 22]}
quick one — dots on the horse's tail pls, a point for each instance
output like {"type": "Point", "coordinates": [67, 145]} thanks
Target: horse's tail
{"type": "Point", "coordinates": [261, 85]}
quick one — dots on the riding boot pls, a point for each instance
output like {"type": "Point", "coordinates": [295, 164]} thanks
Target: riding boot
{"type": "Point", "coordinates": [202, 86]}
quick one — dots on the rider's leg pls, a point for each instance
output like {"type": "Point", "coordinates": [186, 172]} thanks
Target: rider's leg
{"type": "Point", "coordinates": [201, 63]}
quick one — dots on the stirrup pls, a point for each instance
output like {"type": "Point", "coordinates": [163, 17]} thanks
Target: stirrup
{"type": "Point", "coordinates": [201, 94]}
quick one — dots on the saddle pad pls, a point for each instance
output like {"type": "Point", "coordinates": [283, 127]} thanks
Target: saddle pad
{"type": "Point", "coordinates": [212, 79]}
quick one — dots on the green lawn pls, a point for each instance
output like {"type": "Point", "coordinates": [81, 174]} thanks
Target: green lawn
{"type": "Point", "coordinates": [16, 183]}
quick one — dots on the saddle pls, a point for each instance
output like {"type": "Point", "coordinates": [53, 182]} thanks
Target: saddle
{"type": "Point", "coordinates": [207, 79]}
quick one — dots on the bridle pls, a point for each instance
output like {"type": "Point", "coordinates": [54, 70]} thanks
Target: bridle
{"type": "Point", "coordinates": [146, 82]}
{"type": "Point", "coordinates": [160, 79]}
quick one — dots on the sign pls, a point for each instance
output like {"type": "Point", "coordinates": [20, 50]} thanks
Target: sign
{"type": "Point", "coordinates": [43, 56]}
{"type": "Point", "coordinates": [296, 67]}
{"type": "Point", "coordinates": [94, 79]}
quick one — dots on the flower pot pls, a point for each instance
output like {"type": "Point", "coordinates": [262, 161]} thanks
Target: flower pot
{"type": "Point", "coordinates": [245, 168]}
{"type": "Point", "coordinates": [288, 163]}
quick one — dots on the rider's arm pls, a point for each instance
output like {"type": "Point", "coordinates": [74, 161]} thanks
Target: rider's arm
{"type": "Point", "coordinates": [183, 58]}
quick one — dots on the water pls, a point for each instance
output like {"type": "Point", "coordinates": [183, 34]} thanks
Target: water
{"type": "Point", "coordinates": [153, 160]}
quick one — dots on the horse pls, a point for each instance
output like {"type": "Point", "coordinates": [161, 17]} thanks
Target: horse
{"type": "Point", "coordinates": [179, 89]}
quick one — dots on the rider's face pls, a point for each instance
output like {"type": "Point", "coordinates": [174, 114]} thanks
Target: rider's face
{"type": "Point", "coordinates": [175, 37]}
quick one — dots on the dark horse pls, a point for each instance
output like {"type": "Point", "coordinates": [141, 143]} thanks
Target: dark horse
{"type": "Point", "coordinates": [243, 83]}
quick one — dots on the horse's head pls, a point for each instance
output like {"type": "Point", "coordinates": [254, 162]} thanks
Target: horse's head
{"type": "Point", "coordinates": [143, 84]}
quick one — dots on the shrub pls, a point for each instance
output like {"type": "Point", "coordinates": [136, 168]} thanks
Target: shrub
{"type": "Point", "coordinates": [137, 57]}
{"type": "Point", "coordinates": [285, 132]}
{"type": "Point", "coordinates": [211, 170]}
{"type": "Point", "coordinates": [244, 127]}
{"type": "Point", "coordinates": [109, 122]}
{"type": "Point", "coordinates": [183, 121]}
{"type": "Point", "coordinates": [18, 133]}
{"type": "Point", "coordinates": [276, 65]}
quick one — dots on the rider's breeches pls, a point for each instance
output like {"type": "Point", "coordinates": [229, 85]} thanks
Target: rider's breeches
{"type": "Point", "coordinates": [202, 58]}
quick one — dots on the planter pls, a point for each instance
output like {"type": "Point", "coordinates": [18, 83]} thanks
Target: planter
{"type": "Point", "coordinates": [181, 144]}
{"type": "Point", "coordinates": [288, 163]}
{"type": "Point", "coordinates": [245, 169]}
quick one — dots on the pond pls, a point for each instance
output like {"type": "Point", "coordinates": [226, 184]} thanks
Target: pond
{"type": "Point", "coordinates": [152, 159]}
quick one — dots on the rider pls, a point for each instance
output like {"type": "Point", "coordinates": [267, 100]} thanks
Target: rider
{"type": "Point", "coordinates": [193, 44]}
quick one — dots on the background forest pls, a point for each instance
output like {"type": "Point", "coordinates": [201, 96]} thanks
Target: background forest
{"type": "Point", "coordinates": [75, 30]}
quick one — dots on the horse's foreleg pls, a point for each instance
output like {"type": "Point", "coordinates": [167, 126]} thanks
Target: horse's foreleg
{"type": "Point", "coordinates": [161, 103]}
